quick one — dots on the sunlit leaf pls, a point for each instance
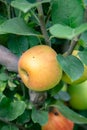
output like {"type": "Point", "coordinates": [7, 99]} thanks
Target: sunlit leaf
{"type": "Point", "coordinates": [66, 32]}
{"type": "Point", "coordinates": [16, 26]}
{"type": "Point", "coordinates": [25, 6]}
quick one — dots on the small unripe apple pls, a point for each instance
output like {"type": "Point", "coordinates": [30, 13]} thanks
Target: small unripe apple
{"type": "Point", "coordinates": [56, 121]}
{"type": "Point", "coordinates": [81, 79]}
{"type": "Point", "coordinates": [39, 69]}
{"type": "Point", "coordinates": [78, 94]}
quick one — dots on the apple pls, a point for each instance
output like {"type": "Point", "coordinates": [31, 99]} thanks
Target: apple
{"type": "Point", "coordinates": [39, 69]}
{"type": "Point", "coordinates": [56, 121]}
{"type": "Point", "coordinates": [66, 78]}
{"type": "Point", "coordinates": [78, 94]}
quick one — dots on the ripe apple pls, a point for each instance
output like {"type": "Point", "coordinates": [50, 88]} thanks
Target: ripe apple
{"type": "Point", "coordinates": [78, 95]}
{"type": "Point", "coordinates": [56, 121]}
{"type": "Point", "coordinates": [39, 68]}
{"type": "Point", "coordinates": [66, 78]}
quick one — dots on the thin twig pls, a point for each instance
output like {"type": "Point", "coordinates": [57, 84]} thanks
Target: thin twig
{"type": "Point", "coordinates": [42, 23]}
{"type": "Point", "coordinates": [48, 15]}
{"type": "Point", "coordinates": [72, 46]}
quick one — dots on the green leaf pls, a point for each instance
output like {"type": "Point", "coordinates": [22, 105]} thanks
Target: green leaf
{"type": "Point", "coordinates": [16, 26]}
{"type": "Point", "coordinates": [70, 114]}
{"type": "Point", "coordinates": [56, 89]}
{"type": "Point", "coordinates": [62, 95]}
{"type": "Point", "coordinates": [25, 6]}
{"type": "Point", "coordinates": [25, 117]}
{"type": "Point", "coordinates": [3, 77]}
{"type": "Point", "coordinates": [9, 127]}
{"type": "Point", "coordinates": [68, 12]}
{"type": "Point", "coordinates": [66, 32]}
{"type": "Point", "coordinates": [11, 85]}
{"type": "Point", "coordinates": [39, 116]}
{"type": "Point", "coordinates": [71, 65]}
{"type": "Point", "coordinates": [61, 31]}
{"type": "Point", "coordinates": [33, 41]}
{"type": "Point", "coordinates": [2, 86]}
{"type": "Point", "coordinates": [11, 110]}
{"type": "Point", "coordinates": [2, 19]}
{"type": "Point", "coordinates": [18, 44]}
{"type": "Point", "coordinates": [83, 56]}
{"type": "Point", "coordinates": [83, 39]}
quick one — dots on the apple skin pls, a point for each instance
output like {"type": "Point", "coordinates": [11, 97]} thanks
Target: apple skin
{"type": "Point", "coordinates": [66, 79]}
{"type": "Point", "coordinates": [56, 121]}
{"type": "Point", "coordinates": [78, 95]}
{"type": "Point", "coordinates": [39, 69]}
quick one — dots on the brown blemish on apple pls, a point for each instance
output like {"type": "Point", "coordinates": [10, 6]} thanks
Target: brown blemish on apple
{"type": "Point", "coordinates": [33, 56]}
{"type": "Point", "coordinates": [56, 113]}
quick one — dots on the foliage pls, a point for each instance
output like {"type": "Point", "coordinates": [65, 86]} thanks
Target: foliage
{"type": "Point", "coordinates": [61, 24]}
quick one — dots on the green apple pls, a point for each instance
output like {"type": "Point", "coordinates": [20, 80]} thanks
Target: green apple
{"type": "Point", "coordinates": [39, 69]}
{"type": "Point", "coordinates": [78, 94]}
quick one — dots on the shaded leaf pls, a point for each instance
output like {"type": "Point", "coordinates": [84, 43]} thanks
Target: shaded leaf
{"type": "Point", "coordinates": [18, 44]}
{"type": "Point", "coordinates": [83, 56]}
{"type": "Point", "coordinates": [25, 117]}
{"type": "Point", "coordinates": [56, 89]}
{"type": "Point", "coordinates": [72, 66]}
{"type": "Point", "coordinates": [67, 12]}
{"type": "Point", "coordinates": [39, 116]}
{"type": "Point", "coordinates": [70, 114]}
{"type": "Point", "coordinates": [33, 41]}
{"type": "Point", "coordinates": [3, 76]}
{"type": "Point", "coordinates": [9, 127]}
{"type": "Point", "coordinates": [83, 39]}
{"type": "Point", "coordinates": [62, 95]}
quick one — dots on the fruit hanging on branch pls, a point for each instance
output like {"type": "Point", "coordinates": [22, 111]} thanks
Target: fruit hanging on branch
{"type": "Point", "coordinates": [57, 121]}
{"type": "Point", "coordinates": [78, 94]}
{"type": "Point", "coordinates": [39, 69]}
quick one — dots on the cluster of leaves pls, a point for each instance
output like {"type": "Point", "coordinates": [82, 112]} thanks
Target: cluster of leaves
{"type": "Point", "coordinates": [20, 29]}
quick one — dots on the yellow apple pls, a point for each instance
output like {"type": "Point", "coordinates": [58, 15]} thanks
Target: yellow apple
{"type": "Point", "coordinates": [66, 78]}
{"type": "Point", "coordinates": [39, 69]}
{"type": "Point", "coordinates": [56, 121]}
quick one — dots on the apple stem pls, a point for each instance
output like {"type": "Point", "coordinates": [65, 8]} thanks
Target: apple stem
{"type": "Point", "coordinates": [37, 98]}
